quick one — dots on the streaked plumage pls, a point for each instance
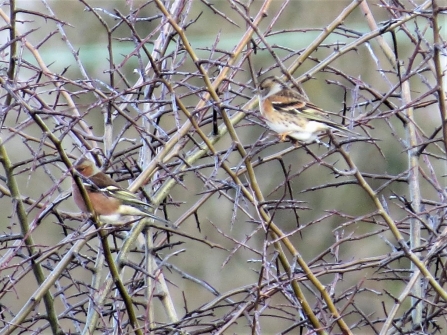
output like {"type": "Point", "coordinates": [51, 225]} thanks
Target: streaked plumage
{"type": "Point", "coordinates": [289, 113]}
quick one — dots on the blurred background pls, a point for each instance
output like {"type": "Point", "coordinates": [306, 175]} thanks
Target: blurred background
{"type": "Point", "coordinates": [91, 71]}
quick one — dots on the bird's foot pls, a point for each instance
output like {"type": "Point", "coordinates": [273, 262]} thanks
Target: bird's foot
{"type": "Point", "coordinates": [283, 136]}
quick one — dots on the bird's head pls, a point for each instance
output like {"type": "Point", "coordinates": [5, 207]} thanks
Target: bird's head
{"type": "Point", "coordinates": [270, 86]}
{"type": "Point", "coordinates": [86, 167]}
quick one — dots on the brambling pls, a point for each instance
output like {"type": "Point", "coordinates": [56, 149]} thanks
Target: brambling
{"type": "Point", "coordinates": [289, 113]}
{"type": "Point", "coordinates": [108, 199]}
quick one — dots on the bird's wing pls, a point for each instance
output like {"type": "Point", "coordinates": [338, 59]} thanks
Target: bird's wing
{"type": "Point", "coordinates": [307, 110]}
{"type": "Point", "coordinates": [101, 180]}
{"type": "Point", "coordinates": [127, 197]}
{"type": "Point", "coordinates": [302, 109]}
{"type": "Point", "coordinates": [103, 183]}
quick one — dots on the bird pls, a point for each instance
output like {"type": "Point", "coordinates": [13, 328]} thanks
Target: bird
{"type": "Point", "coordinates": [291, 114]}
{"type": "Point", "coordinates": [109, 200]}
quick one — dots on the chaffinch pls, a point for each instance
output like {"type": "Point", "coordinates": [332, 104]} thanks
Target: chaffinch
{"type": "Point", "coordinates": [108, 199]}
{"type": "Point", "coordinates": [289, 113]}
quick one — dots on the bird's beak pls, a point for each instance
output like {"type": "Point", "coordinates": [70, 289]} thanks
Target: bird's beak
{"type": "Point", "coordinates": [74, 171]}
{"type": "Point", "coordinates": [256, 91]}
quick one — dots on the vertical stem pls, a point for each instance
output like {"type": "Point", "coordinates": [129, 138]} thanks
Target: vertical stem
{"type": "Point", "coordinates": [150, 282]}
{"type": "Point", "coordinates": [413, 162]}
{"type": "Point", "coordinates": [26, 233]}
{"type": "Point", "coordinates": [415, 197]}
{"type": "Point", "coordinates": [440, 72]}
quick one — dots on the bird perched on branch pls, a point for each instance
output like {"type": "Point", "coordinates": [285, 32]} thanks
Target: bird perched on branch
{"type": "Point", "coordinates": [108, 199]}
{"type": "Point", "coordinates": [289, 113]}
